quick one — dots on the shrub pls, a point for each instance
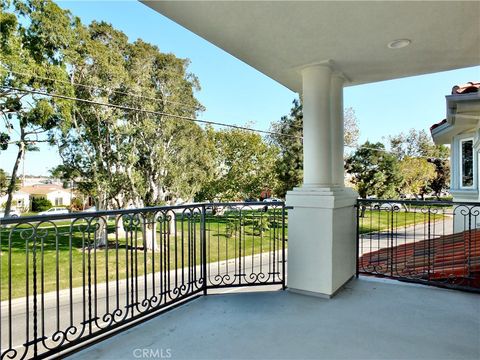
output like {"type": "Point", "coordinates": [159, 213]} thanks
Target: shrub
{"type": "Point", "coordinates": [231, 227]}
{"type": "Point", "coordinates": [41, 204]}
{"type": "Point", "coordinates": [260, 225]}
{"type": "Point", "coordinates": [76, 204]}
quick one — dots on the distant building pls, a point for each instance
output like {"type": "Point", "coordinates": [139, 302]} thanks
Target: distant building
{"type": "Point", "coordinates": [57, 195]}
{"type": "Point", "coordinates": [20, 201]}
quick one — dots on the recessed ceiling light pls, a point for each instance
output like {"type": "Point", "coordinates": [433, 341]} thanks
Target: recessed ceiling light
{"type": "Point", "coordinates": [399, 43]}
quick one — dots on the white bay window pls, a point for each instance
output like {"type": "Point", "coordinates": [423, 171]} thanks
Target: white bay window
{"type": "Point", "coordinates": [466, 164]}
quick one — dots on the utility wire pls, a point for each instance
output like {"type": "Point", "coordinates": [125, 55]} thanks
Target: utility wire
{"type": "Point", "coordinates": [152, 112]}
{"type": "Point", "coordinates": [196, 108]}
{"type": "Point", "coordinates": [187, 118]}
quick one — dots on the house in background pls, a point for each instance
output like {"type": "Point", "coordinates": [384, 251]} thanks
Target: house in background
{"type": "Point", "coordinates": [461, 130]}
{"type": "Point", "coordinates": [21, 201]}
{"type": "Point", "coordinates": [57, 195]}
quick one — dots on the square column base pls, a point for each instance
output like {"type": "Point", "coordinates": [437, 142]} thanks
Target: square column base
{"type": "Point", "coordinates": [321, 239]}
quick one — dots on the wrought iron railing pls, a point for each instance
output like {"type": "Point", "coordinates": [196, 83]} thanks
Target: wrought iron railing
{"type": "Point", "coordinates": [430, 242]}
{"type": "Point", "coordinates": [68, 279]}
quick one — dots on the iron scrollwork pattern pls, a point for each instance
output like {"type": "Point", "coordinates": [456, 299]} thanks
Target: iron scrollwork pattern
{"type": "Point", "coordinates": [68, 278]}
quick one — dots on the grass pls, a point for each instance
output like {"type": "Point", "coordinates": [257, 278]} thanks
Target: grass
{"type": "Point", "coordinates": [375, 221]}
{"type": "Point", "coordinates": [68, 246]}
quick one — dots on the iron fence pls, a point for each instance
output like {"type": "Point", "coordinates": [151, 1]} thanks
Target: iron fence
{"type": "Point", "coordinates": [73, 278]}
{"type": "Point", "coordinates": [430, 242]}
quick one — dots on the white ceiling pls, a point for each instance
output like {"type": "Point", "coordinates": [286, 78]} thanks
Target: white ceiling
{"type": "Point", "coordinates": [279, 37]}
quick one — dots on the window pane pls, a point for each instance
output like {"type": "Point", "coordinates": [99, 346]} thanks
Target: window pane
{"type": "Point", "coordinates": [467, 163]}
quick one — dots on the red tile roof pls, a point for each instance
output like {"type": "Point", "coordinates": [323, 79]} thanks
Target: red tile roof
{"type": "Point", "coordinates": [440, 123]}
{"type": "Point", "coordinates": [470, 87]}
{"type": "Point", "coordinates": [42, 189]}
{"type": "Point", "coordinates": [452, 258]}
{"type": "Point", "coordinates": [467, 88]}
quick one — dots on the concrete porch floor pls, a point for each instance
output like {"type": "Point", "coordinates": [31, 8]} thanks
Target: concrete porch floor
{"type": "Point", "coordinates": [367, 319]}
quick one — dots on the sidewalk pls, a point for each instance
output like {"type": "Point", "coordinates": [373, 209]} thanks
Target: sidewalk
{"type": "Point", "coordinates": [377, 240]}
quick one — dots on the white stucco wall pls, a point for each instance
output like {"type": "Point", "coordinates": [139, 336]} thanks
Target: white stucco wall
{"type": "Point", "coordinates": [51, 196]}
{"type": "Point", "coordinates": [65, 196]}
{"type": "Point", "coordinates": [21, 201]}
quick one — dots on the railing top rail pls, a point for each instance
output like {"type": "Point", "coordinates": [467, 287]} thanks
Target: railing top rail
{"type": "Point", "coordinates": [86, 215]}
{"type": "Point", "coordinates": [415, 202]}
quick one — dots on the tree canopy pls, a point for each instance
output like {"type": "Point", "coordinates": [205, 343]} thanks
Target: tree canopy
{"type": "Point", "coordinates": [417, 173]}
{"type": "Point", "coordinates": [244, 166]}
{"type": "Point", "coordinates": [431, 172]}
{"type": "Point", "coordinates": [35, 39]}
{"type": "Point", "coordinates": [374, 171]}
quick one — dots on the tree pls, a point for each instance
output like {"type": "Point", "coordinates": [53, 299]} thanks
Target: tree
{"type": "Point", "coordinates": [35, 38]}
{"type": "Point", "coordinates": [374, 171]}
{"type": "Point", "coordinates": [3, 182]}
{"type": "Point", "coordinates": [419, 144]}
{"type": "Point", "coordinates": [119, 156]}
{"type": "Point", "coordinates": [416, 143]}
{"type": "Point", "coordinates": [244, 166]}
{"type": "Point", "coordinates": [441, 181]}
{"type": "Point", "coordinates": [417, 173]}
{"type": "Point", "coordinates": [171, 156]}
{"type": "Point", "coordinates": [90, 148]}
{"type": "Point", "coordinates": [352, 132]}
{"type": "Point", "coordinates": [288, 138]}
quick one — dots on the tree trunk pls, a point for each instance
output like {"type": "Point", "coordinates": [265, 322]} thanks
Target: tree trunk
{"type": "Point", "coordinates": [122, 234]}
{"type": "Point", "coordinates": [171, 224]}
{"type": "Point", "coordinates": [101, 232]}
{"type": "Point", "coordinates": [150, 232]}
{"type": "Point", "coordinates": [13, 179]}
{"type": "Point", "coordinates": [363, 208]}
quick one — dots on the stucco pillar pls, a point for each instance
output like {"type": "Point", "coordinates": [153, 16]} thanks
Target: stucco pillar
{"type": "Point", "coordinates": [321, 225]}
{"type": "Point", "coordinates": [337, 129]}
{"type": "Point", "coordinates": [317, 140]}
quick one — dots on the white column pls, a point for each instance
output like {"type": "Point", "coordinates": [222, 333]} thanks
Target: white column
{"type": "Point", "coordinates": [321, 225]}
{"type": "Point", "coordinates": [337, 129]}
{"type": "Point", "coordinates": [317, 149]}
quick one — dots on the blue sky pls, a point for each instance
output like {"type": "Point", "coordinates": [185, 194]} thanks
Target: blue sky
{"type": "Point", "coordinates": [235, 93]}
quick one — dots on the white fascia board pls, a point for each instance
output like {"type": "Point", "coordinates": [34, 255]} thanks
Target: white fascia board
{"type": "Point", "coordinates": [461, 116]}
{"type": "Point", "coordinates": [443, 134]}
{"type": "Point", "coordinates": [463, 97]}
{"type": "Point", "coordinates": [458, 104]}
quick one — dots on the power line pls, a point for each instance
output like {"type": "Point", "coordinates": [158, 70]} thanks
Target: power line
{"type": "Point", "coordinates": [196, 108]}
{"type": "Point", "coordinates": [151, 112]}
{"type": "Point", "coordinates": [187, 118]}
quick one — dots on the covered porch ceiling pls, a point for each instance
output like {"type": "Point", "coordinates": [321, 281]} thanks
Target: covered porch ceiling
{"type": "Point", "coordinates": [279, 38]}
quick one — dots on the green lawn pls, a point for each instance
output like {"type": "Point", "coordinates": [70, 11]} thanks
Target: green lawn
{"type": "Point", "coordinates": [226, 239]}
{"type": "Point", "coordinates": [374, 221]}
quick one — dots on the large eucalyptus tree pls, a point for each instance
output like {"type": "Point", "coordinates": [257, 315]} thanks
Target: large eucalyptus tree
{"type": "Point", "coordinates": [35, 41]}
